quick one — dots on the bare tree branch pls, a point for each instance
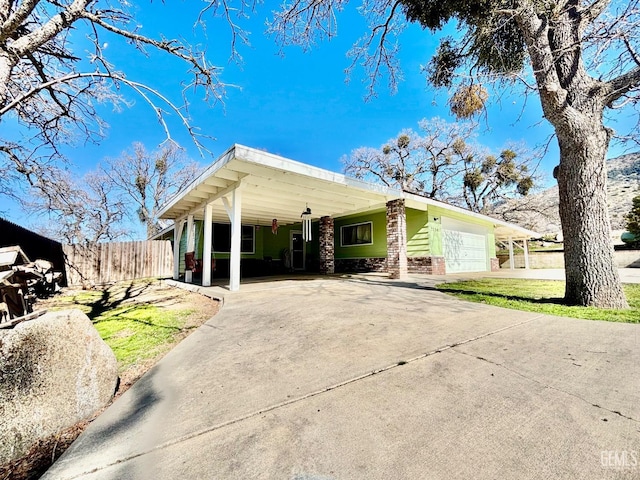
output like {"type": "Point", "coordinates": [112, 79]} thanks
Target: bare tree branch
{"type": "Point", "coordinates": [148, 180]}
{"type": "Point", "coordinates": [593, 11]}
{"type": "Point", "coordinates": [46, 87]}
{"type": "Point", "coordinates": [12, 20]}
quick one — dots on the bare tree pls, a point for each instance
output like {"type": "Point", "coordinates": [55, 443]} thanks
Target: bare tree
{"type": "Point", "coordinates": [95, 207]}
{"type": "Point", "coordinates": [148, 180]}
{"type": "Point", "coordinates": [50, 90]}
{"type": "Point", "coordinates": [83, 211]}
{"type": "Point", "coordinates": [581, 58]}
{"type": "Point", "coordinates": [538, 212]}
{"type": "Point", "coordinates": [423, 163]}
{"type": "Point", "coordinates": [443, 162]}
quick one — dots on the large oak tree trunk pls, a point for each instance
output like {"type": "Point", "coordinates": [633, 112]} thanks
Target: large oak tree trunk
{"type": "Point", "coordinates": [574, 102]}
{"type": "Point", "coordinates": [591, 275]}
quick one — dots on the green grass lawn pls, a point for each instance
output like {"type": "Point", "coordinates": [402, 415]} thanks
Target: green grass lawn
{"type": "Point", "coordinates": [541, 296]}
{"type": "Point", "coordinates": [131, 319]}
{"type": "Point", "coordinates": [139, 332]}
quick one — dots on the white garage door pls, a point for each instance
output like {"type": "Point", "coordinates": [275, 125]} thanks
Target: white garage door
{"type": "Point", "coordinates": [463, 251]}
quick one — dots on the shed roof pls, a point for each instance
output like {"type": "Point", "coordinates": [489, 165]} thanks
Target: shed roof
{"type": "Point", "coordinates": [10, 256]}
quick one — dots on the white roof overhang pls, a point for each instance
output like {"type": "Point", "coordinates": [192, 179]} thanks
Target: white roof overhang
{"type": "Point", "coordinates": [276, 187]}
{"type": "Point", "coordinates": [502, 230]}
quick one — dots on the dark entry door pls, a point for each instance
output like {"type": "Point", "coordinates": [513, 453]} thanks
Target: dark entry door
{"type": "Point", "coordinates": [297, 251]}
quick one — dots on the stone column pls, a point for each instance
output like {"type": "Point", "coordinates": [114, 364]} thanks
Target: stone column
{"type": "Point", "coordinates": [396, 239]}
{"type": "Point", "coordinates": [327, 264]}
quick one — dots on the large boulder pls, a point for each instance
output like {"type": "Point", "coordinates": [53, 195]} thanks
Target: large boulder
{"type": "Point", "coordinates": [55, 371]}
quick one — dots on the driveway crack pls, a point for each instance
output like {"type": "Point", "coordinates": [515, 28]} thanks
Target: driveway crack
{"type": "Point", "coordinates": [301, 398]}
{"type": "Point", "coordinates": [545, 385]}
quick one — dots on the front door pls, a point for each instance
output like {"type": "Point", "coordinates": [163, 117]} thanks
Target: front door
{"type": "Point", "coordinates": [297, 251]}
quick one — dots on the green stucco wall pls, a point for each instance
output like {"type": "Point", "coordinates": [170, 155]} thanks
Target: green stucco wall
{"type": "Point", "coordinates": [377, 249]}
{"type": "Point", "coordinates": [199, 243]}
{"type": "Point", "coordinates": [274, 244]}
{"type": "Point", "coordinates": [491, 248]}
{"type": "Point", "coordinates": [266, 243]}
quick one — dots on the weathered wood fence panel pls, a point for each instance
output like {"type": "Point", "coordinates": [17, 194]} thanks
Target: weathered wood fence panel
{"type": "Point", "coordinates": [117, 261]}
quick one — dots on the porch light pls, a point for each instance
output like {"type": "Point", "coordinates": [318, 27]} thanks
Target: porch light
{"type": "Point", "coordinates": [306, 225]}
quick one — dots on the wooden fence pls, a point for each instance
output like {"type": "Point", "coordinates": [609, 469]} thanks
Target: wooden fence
{"type": "Point", "coordinates": [103, 263]}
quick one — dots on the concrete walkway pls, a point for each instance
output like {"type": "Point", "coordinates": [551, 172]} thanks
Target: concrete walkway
{"type": "Point", "coordinates": [364, 377]}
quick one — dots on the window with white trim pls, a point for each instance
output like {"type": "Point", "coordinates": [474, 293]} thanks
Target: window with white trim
{"type": "Point", "coordinates": [221, 238]}
{"type": "Point", "coordinates": [356, 234]}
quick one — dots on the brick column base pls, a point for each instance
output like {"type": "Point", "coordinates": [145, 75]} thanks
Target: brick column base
{"type": "Point", "coordinates": [432, 265]}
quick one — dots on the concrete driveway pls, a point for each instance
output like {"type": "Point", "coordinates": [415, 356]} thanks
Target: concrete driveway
{"type": "Point", "coordinates": [367, 378]}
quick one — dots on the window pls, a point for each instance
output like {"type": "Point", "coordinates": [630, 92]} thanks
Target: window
{"type": "Point", "coordinates": [222, 238]}
{"type": "Point", "coordinates": [357, 234]}
{"type": "Point", "coordinates": [247, 239]}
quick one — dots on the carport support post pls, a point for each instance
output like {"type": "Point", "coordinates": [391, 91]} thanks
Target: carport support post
{"type": "Point", "coordinates": [525, 246]}
{"type": "Point", "coordinates": [512, 264]}
{"type": "Point", "coordinates": [206, 250]}
{"type": "Point", "coordinates": [396, 239]}
{"type": "Point", "coordinates": [236, 234]}
{"type": "Point", "coordinates": [177, 236]}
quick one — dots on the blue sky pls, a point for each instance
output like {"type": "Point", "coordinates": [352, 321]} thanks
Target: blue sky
{"type": "Point", "coordinates": [297, 105]}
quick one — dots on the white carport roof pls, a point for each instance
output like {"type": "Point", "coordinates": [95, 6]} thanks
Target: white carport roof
{"type": "Point", "coordinates": [276, 187]}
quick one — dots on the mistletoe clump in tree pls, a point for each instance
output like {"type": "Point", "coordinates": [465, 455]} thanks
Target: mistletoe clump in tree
{"type": "Point", "coordinates": [490, 179]}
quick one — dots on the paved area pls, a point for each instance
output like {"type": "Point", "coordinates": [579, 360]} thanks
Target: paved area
{"type": "Point", "coordinates": [365, 377]}
{"type": "Point", "coordinates": [627, 275]}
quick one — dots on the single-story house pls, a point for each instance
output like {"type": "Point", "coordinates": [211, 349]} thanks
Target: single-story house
{"type": "Point", "coordinates": [245, 212]}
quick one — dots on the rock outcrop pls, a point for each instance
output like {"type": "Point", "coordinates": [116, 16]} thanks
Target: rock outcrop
{"type": "Point", "coordinates": [55, 371]}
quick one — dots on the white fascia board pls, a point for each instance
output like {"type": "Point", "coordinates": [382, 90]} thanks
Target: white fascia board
{"type": "Point", "coordinates": [525, 233]}
{"type": "Point", "coordinates": [162, 232]}
{"type": "Point", "coordinates": [277, 162]}
{"type": "Point", "coordinates": [445, 206]}
{"type": "Point", "coordinates": [223, 159]}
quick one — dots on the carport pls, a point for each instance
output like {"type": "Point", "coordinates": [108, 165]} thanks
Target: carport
{"type": "Point", "coordinates": [250, 186]}
{"type": "Point", "coordinates": [246, 185]}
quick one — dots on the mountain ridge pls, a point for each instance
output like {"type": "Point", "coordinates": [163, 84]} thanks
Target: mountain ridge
{"type": "Point", "coordinates": [539, 211]}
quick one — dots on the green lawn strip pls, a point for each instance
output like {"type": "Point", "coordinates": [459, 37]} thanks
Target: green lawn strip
{"type": "Point", "coordinates": [134, 331]}
{"type": "Point", "coordinates": [138, 332]}
{"type": "Point", "coordinates": [542, 296]}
